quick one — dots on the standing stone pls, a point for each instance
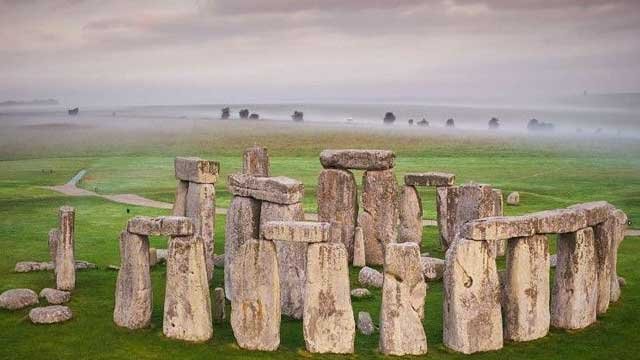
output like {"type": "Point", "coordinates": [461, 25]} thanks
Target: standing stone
{"type": "Point", "coordinates": [472, 315]}
{"type": "Point", "coordinates": [54, 240]}
{"type": "Point", "coordinates": [193, 169]}
{"type": "Point", "coordinates": [218, 305]}
{"type": "Point", "coordinates": [410, 216]}
{"type": "Point", "coordinates": [338, 204]}
{"type": "Point", "coordinates": [526, 289]}
{"type": "Point", "coordinates": [328, 323]}
{"type": "Point", "coordinates": [255, 161]}
{"type": "Point", "coordinates": [402, 309]}
{"type": "Point", "coordinates": [621, 219]}
{"type": "Point", "coordinates": [292, 258]}
{"type": "Point", "coordinates": [187, 304]}
{"type": "Point", "coordinates": [242, 225]}
{"type": "Point", "coordinates": [444, 218]}
{"type": "Point", "coordinates": [575, 293]}
{"type": "Point", "coordinates": [153, 257]}
{"type": "Point", "coordinates": [255, 304]}
{"type": "Point", "coordinates": [65, 260]}
{"type": "Point", "coordinates": [359, 259]}
{"type": "Point", "coordinates": [498, 210]}
{"type": "Point", "coordinates": [603, 234]}
{"type": "Point", "coordinates": [180, 204]}
{"type": "Point", "coordinates": [365, 323]}
{"type": "Point", "coordinates": [201, 209]}
{"type": "Point", "coordinates": [133, 288]}
{"type": "Point", "coordinates": [380, 216]}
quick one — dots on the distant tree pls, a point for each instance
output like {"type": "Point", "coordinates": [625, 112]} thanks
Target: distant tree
{"type": "Point", "coordinates": [450, 123]}
{"type": "Point", "coordinates": [535, 125]}
{"type": "Point", "coordinates": [389, 118]}
{"type": "Point", "coordinates": [244, 113]}
{"type": "Point", "coordinates": [254, 116]}
{"type": "Point", "coordinates": [423, 122]}
{"type": "Point", "coordinates": [410, 121]}
{"type": "Point", "coordinates": [494, 123]}
{"type": "Point", "coordinates": [297, 116]}
{"type": "Point", "coordinates": [225, 113]}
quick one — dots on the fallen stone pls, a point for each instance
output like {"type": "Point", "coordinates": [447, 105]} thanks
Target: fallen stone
{"type": "Point", "coordinates": [296, 231]}
{"type": "Point", "coordinates": [29, 266]}
{"type": "Point", "coordinates": [255, 161]}
{"type": "Point", "coordinates": [358, 159]}
{"type": "Point", "coordinates": [201, 209]}
{"type": "Point", "coordinates": [379, 220]}
{"type": "Point", "coordinates": [50, 314]}
{"type": "Point", "coordinates": [242, 225]}
{"type": "Point", "coordinates": [575, 292]}
{"type": "Point", "coordinates": [16, 299]}
{"type": "Point", "coordinates": [196, 170]}
{"type": "Point", "coordinates": [429, 179]}
{"type": "Point", "coordinates": [498, 228]}
{"type": "Point", "coordinates": [279, 189]}
{"type": "Point", "coordinates": [161, 254]}
{"type": "Point", "coordinates": [360, 293]}
{"type": "Point", "coordinates": [359, 259]}
{"type": "Point", "coordinates": [402, 309]}
{"type": "Point", "coordinates": [432, 268]}
{"type": "Point", "coordinates": [621, 281]}
{"type": "Point", "coordinates": [65, 258]}
{"type": "Point", "coordinates": [370, 277]}
{"type": "Point", "coordinates": [180, 204]}
{"type": "Point", "coordinates": [410, 216]}
{"type": "Point", "coordinates": [513, 199]}
{"type": "Point", "coordinates": [559, 221]}
{"type": "Point", "coordinates": [337, 197]}
{"type": "Point", "coordinates": [85, 265]}
{"type": "Point", "coordinates": [553, 260]}
{"type": "Point", "coordinates": [365, 323]}
{"type": "Point", "coordinates": [328, 323]}
{"type": "Point", "coordinates": [187, 303]}
{"type": "Point", "coordinates": [218, 305]}
{"type": "Point", "coordinates": [113, 267]}
{"type": "Point", "coordinates": [595, 212]}
{"type": "Point", "coordinates": [161, 225]}
{"type": "Point", "coordinates": [255, 304]}
{"type": "Point", "coordinates": [54, 296]}
{"type": "Point", "coordinates": [218, 260]}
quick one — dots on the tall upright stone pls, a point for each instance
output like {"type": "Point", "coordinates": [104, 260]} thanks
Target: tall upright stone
{"type": "Point", "coordinates": [575, 293]}
{"type": "Point", "coordinates": [242, 225]}
{"type": "Point", "coordinates": [472, 314]}
{"type": "Point", "coordinates": [498, 210]}
{"type": "Point", "coordinates": [65, 257]}
{"type": "Point", "coordinates": [201, 209]}
{"type": "Point", "coordinates": [359, 259]}
{"type": "Point", "coordinates": [410, 216]}
{"type": "Point", "coordinates": [380, 217]}
{"type": "Point", "coordinates": [54, 240]}
{"type": "Point", "coordinates": [604, 234]}
{"type": "Point", "coordinates": [402, 309]}
{"type": "Point", "coordinates": [621, 221]}
{"type": "Point", "coordinates": [255, 161]}
{"type": "Point", "coordinates": [180, 204]}
{"type": "Point", "coordinates": [292, 258]}
{"type": "Point", "coordinates": [328, 322]}
{"type": "Point", "coordinates": [187, 303]}
{"type": "Point", "coordinates": [337, 195]}
{"type": "Point", "coordinates": [134, 296]}
{"type": "Point", "coordinates": [526, 289]}
{"type": "Point", "coordinates": [255, 304]}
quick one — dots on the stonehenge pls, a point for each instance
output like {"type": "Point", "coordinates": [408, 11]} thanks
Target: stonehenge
{"type": "Point", "coordinates": [64, 246]}
{"type": "Point", "coordinates": [337, 196]}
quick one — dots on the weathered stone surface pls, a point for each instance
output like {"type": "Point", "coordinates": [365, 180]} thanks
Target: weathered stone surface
{"type": "Point", "coordinates": [337, 196]}
{"type": "Point", "coordinates": [622, 282]}
{"type": "Point", "coordinates": [370, 277]}
{"type": "Point", "coordinates": [432, 268]}
{"type": "Point", "coordinates": [201, 209]}
{"type": "Point", "coordinates": [180, 204]}
{"type": "Point", "coordinates": [134, 296]}
{"type": "Point", "coordinates": [153, 257]}
{"type": "Point", "coordinates": [16, 299]}
{"type": "Point", "coordinates": [255, 161]}
{"type": "Point", "coordinates": [618, 237]}
{"type": "Point", "coordinates": [365, 323]}
{"type": "Point", "coordinates": [360, 293]}
{"type": "Point", "coordinates": [553, 260]}
{"type": "Point", "coordinates": [498, 228]}
{"type": "Point", "coordinates": [603, 234]}
{"type": "Point", "coordinates": [65, 251]}
{"type": "Point", "coordinates": [218, 261]}
{"type": "Point", "coordinates": [29, 266]}
{"type": "Point", "coordinates": [445, 217]}
{"type": "Point", "coordinates": [429, 179]}
{"type": "Point", "coordinates": [54, 296]}
{"type": "Point", "coordinates": [410, 216]}
{"type": "Point", "coordinates": [498, 210]}
{"type": "Point", "coordinates": [187, 304]}
{"type": "Point", "coordinates": [85, 265]}
{"type": "Point", "coordinates": [292, 258]}
{"type": "Point", "coordinates": [558, 221]}
{"type": "Point", "coordinates": [296, 231]}
{"type": "Point", "coordinates": [219, 312]}
{"type": "Point", "coordinates": [575, 293]}
{"type": "Point", "coordinates": [279, 189]}
{"type": "Point", "coordinates": [242, 225]}
{"type": "Point", "coordinates": [359, 259]}
{"type": "Point", "coordinates": [379, 221]}
{"type": "Point", "coordinates": [513, 199]}
{"type": "Point", "coordinates": [54, 240]}
{"type": "Point", "coordinates": [472, 315]}
{"type": "Point", "coordinates": [196, 170]}
{"type": "Point", "coordinates": [255, 304]}
{"type": "Point", "coordinates": [526, 289]}
{"type": "Point", "coordinates": [328, 323]}
{"type": "Point", "coordinates": [595, 212]}
{"type": "Point", "coordinates": [50, 314]}
{"type": "Point", "coordinates": [358, 159]}
{"type": "Point", "coordinates": [161, 225]}
{"type": "Point", "coordinates": [161, 254]}
{"type": "Point", "coordinates": [402, 309]}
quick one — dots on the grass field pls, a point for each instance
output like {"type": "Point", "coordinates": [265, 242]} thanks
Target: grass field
{"type": "Point", "coordinates": [548, 173]}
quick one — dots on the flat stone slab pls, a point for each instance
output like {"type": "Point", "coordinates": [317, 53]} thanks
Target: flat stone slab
{"type": "Point", "coordinates": [55, 296]}
{"type": "Point", "coordinates": [196, 170]}
{"type": "Point", "coordinates": [595, 212]}
{"type": "Point", "coordinates": [16, 299]}
{"type": "Point", "coordinates": [297, 231]}
{"type": "Point", "coordinates": [358, 159]}
{"type": "Point", "coordinates": [360, 293]}
{"type": "Point", "coordinates": [499, 228]}
{"type": "Point", "coordinates": [278, 189]}
{"type": "Point", "coordinates": [429, 179]}
{"type": "Point", "coordinates": [559, 221]}
{"type": "Point", "coordinates": [161, 225]}
{"type": "Point", "coordinates": [50, 314]}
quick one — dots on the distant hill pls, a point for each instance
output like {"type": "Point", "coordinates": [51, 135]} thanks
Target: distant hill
{"type": "Point", "coordinates": [37, 102]}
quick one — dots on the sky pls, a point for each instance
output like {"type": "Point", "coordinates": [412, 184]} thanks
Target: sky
{"type": "Point", "coordinates": [233, 51]}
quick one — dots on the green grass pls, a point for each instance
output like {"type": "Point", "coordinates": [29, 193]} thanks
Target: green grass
{"type": "Point", "coordinates": [547, 174]}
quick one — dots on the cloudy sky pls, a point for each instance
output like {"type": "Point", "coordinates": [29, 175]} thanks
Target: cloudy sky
{"type": "Point", "coordinates": [168, 52]}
